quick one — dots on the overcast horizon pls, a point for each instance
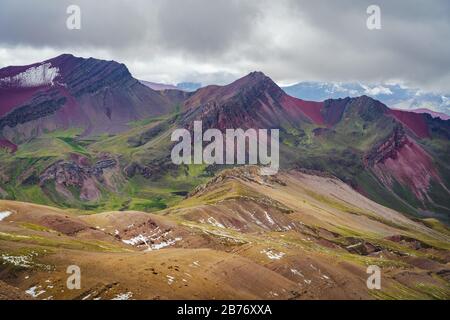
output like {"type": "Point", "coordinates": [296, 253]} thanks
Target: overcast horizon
{"type": "Point", "coordinates": [219, 41]}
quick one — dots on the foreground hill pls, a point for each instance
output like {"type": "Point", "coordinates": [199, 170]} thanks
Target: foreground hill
{"type": "Point", "coordinates": [240, 236]}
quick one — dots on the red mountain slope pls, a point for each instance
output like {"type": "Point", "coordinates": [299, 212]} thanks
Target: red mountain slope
{"type": "Point", "coordinates": [66, 91]}
{"type": "Point", "coordinates": [414, 121]}
{"type": "Point", "coordinates": [253, 101]}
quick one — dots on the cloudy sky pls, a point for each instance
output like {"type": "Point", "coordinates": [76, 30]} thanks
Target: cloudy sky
{"type": "Point", "coordinates": [216, 41]}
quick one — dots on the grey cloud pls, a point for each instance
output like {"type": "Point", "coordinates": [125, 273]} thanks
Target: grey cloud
{"type": "Point", "coordinates": [205, 27]}
{"type": "Point", "coordinates": [290, 40]}
{"type": "Point", "coordinates": [109, 24]}
{"type": "Point", "coordinates": [410, 46]}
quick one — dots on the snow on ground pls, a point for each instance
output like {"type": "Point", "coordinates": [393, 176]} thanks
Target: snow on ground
{"type": "Point", "coordinates": [163, 244]}
{"type": "Point", "coordinates": [272, 254]}
{"type": "Point", "coordinates": [34, 291]}
{"type": "Point", "coordinates": [170, 279]}
{"type": "Point", "coordinates": [86, 297]}
{"type": "Point", "coordinates": [43, 74]}
{"type": "Point", "coordinates": [289, 227]}
{"type": "Point", "coordinates": [269, 218]}
{"type": "Point", "coordinates": [257, 221]}
{"type": "Point", "coordinates": [215, 223]}
{"type": "Point", "coordinates": [274, 294]}
{"type": "Point", "coordinates": [4, 214]}
{"type": "Point", "coordinates": [25, 261]}
{"type": "Point", "coordinates": [297, 273]}
{"type": "Point", "coordinates": [123, 296]}
{"type": "Point", "coordinates": [137, 240]}
{"type": "Point", "coordinates": [195, 264]}
{"type": "Point", "coordinates": [149, 240]}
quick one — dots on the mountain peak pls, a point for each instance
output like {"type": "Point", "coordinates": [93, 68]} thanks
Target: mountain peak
{"type": "Point", "coordinates": [65, 56]}
{"type": "Point", "coordinates": [255, 83]}
{"type": "Point", "coordinates": [256, 75]}
{"type": "Point", "coordinates": [253, 78]}
{"type": "Point", "coordinates": [98, 95]}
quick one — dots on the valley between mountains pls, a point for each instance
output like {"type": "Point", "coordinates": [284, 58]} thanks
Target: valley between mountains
{"type": "Point", "coordinates": [86, 179]}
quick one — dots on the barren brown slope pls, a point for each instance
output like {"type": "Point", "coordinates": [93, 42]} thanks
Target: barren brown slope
{"type": "Point", "coordinates": [34, 259]}
{"type": "Point", "coordinates": [295, 235]}
{"type": "Point", "coordinates": [320, 230]}
{"type": "Point", "coordinates": [313, 199]}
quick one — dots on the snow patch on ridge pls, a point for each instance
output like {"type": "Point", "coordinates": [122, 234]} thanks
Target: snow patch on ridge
{"type": "Point", "coordinates": [34, 291]}
{"type": "Point", "coordinates": [155, 241]}
{"type": "Point", "coordinates": [273, 255]}
{"type": "Point", "coordinates": [4, 214]}
{"type": "Point", "coordinates": [123, 296]}
{"type": "Point", "coordinates": [18, 261]}
{"type": "Point", "coordinates": [43, 74]}
{"type": "Point", "coordinates": [161, 245]}
{"type": "Point", "coordinates": [269, 218]}
{"type": "Point", "coordinates": [137, 240]}
{"type": "Point", "coordinates": [215, 223]}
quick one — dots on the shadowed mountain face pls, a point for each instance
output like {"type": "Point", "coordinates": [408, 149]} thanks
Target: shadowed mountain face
{"type": "Point", "coordinates": [53, 114]}
{"type": "Point", "coordinates": [68, 92]}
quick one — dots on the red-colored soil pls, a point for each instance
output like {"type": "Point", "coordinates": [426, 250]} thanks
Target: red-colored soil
{"type": "Point", "coordinates": [414, 121]}
{"type": "Point", "coordinates": [13, 97]}
{"type": "Point", "coordinates": [310, 109]}
{"type": "Point", "coordinates": [6, 144]}
{"type": "Point", "coordinates": [411, 166]}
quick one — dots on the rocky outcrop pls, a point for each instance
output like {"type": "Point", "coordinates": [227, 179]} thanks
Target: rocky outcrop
{"type": "Point", "coordinates": [386, 149]}
{"type": "Point", "coordinates": [70, 175]}
{"type": "Point", "coordinates": [362, 247]}
{"type": "Point", "coordinates": [408, 241]}
{"type": "Point", "coordinates": [151, 170]}
{"type": "Point", "coordinates": [41, 106]}
{"type": "Point", "coordinates": [401, 160]}
{"type": "Point", "coordinates": [244, 173]}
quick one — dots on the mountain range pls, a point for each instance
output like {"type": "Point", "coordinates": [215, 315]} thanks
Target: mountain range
{"type": "Point", "coordinates": [85, 166]}
{"type": "Point", "coordinates": [393, 95]}
{"type": "Point", "coordinates": [184, 86]}
{"type": "Point", "coordinates": [396, 96]}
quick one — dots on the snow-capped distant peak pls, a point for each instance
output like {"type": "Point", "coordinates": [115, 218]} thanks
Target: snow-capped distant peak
{"type": "Point", "coordinates": [376, 90]}
{"type": "Point", "coordinates": [43, 74]}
